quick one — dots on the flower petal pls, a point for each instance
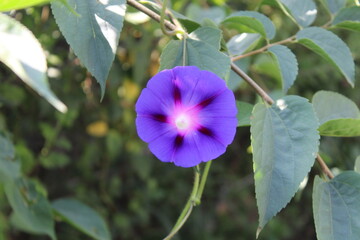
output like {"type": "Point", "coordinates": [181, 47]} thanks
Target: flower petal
{"type": "Point", "coordinates": [197, 85]}
{"type": "Point", "coordinates": [150, 128]}
{"type": "Point", "coordinates": [149, 104]}
{"type": "Point", "coordinates": [222, 129]}
{"type": "Point", "coordinates": [222, 105]}
{"type": "Point", "coordinates": [164, 147]}
{"type": "Point", "coordinates": [187, 154]}
{"type": "Point", "coordinates": [162, 86]}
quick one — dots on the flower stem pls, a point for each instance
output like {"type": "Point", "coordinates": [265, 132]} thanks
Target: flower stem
{"type": "Point", "coordinates": [188, 206]}
{"type": "Point", "coordinates": [202, 182]}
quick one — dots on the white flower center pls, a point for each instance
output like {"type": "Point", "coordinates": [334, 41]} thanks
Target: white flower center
{"type": "Point", "coordinates": [182, 122]}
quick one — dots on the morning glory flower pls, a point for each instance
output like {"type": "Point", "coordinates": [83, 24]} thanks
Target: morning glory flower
{"type": "Point", "coordinates": [186, 115]}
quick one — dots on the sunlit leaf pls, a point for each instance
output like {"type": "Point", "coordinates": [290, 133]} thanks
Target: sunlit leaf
{"type": "Point", "coordinates": [284, 142]}
{"type": "Point", "coordinates": [94, 33]}
{"type": "Point", "coordinates": [7, 5]}
{"type": "Point", "coordinates": [348, 18]}
{"type": "Point", "coordinates": [332, 105]}
{"type": "Point", "coordinates": [330, 47]}
{"type": "Point", "coordinates": [303, 12]}
{"type": "Point", "coordinates": [239, 43]}
{"type": "Point", "coordinates": [336, 207]}
{"type": "Point", "coordinates": [82, 217]}
{"type": "Point", "coordinates": [338, 115]}
{"type": "Point", "coordinates": [252, 22]}
{"type": "Point", "coordinates": [334, 5]}
{"type": "Point", "coordinates": [22, 53]}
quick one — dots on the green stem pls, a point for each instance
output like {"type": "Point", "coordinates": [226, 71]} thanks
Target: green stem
{"type": "Point", "coordinates": [202, 182]}
{"type": "Point", "coordinates": [188, 206]}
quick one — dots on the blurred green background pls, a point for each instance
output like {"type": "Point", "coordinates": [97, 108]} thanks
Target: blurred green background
{"type": "Point", "coordinates": [92, 152]}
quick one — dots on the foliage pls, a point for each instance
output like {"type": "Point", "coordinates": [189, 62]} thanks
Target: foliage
{"type": "Point", "coordinates": [79, 170]}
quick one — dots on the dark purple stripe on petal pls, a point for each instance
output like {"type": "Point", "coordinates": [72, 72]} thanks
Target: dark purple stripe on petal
{"type": "Point", "coordinates": [206, 131]}
{"type": "Point", "coordinates": [209, 100]}
{"type": "Point", "coordinates": [177, 95]}
{"type": "Point", "coordinates": [159, 117]}
{"type": "Point", "coordinates": [179, 141]}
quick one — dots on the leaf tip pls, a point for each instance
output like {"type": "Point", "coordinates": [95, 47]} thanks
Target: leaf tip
{"type": "Point", "coordinates": [258, 232]}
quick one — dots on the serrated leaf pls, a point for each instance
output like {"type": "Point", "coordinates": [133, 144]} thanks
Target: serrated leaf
{"type": "Point", "coordinates": [338, 115]}
{"type": "Point", "coordinates": [332, 105]}
{"type": "Point", "coordinates": [265, 64]}
{"type": "Point", "coordinates": [285, 141]}
{"type": "Point", "coordinates": [341, 128]}
{"type": "Point", "coordinates": [330, 47]}
{"type": "Point", "coordinates": [287, 65]}
{"type": "Point", "coordinates": [22, 53]}
{"type": "Point", "coordinates": [357, 164]}
{"type": "Point", "coordinates": [94, 34]}
{"type": "Point", "coordinates": [197, 53]}
{"type": "Point", "coordinates": [304, 12]}
{"type": "Point", "coordinates": [31, 208]}
{"type": "Point", "coordinates": [199, 14]}
{"type": "Point", "coordinates": [336, 207]}
{"type": "Point", "coordinates": [82, 217]}
{"type": "Point", "coordinates": [244, 113]}
{"type": "Point", "coordinates": [334, 5]}
{"type": "Point", "coordinates": [348, 18]}
{"type": "Point", "coordinates": [239, 43]}
{"type": "Point", "coordinates": [253, 22]}
{"type": "Point", "coordinates": [7, 5]}
{"type": "Point", "coordinates": [210, 35]}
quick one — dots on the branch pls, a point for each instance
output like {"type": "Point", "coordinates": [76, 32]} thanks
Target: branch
{"type": "Point", "coordinates": [252, 83]}
{"type": "Point", "coordinates": [263, 49]}
{"type": "Point", "coordinates": [324, 167]}
{"type": "Point", "coordinates": [151, 14]}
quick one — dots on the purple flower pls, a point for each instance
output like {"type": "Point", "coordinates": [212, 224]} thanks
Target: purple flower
{"type": "Point", "coordinates": [187, 116]}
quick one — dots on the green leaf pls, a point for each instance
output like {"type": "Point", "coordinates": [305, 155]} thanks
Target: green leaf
{"type": "Point", "coordinates": [303, 12]}
{"type": "Point", "coordinates": [265, 64]}
{"type": "Point", "coordinates": [210, 35]}
{"type": "Point", "coordinates": [348, 18]}
{"type": "Point", "coordinates": [9, 169]}
{"type": "Point", "coordinates": [331, 105]}
{"type": "Point", "coordinates": [199, 14]}
{"type": "Point", "coordinates": [7, 5]}
{"type": "Point", "coordinates": [197, 53]}
{"type": "Point", "coordinates": [284, 142]}
{"type": "Point", "coordinates": [82, 217]}
{"type": "Point", "coordinates": [94, 34]}
{"type": "Point", "coordinates": [334, 5]}
{"type": "Point", "coordinates": [244, 113]}
{"type": "Point", "coordinates": [357, 164]}
{"type": "Point", "coordinates": [286, 63]}
{"type": "Point", "coordinates": [22, 53]}
{"type": "Point", "coordinates": [31, 209]}
{"type": "Point", "coordinates": [330, 47]}
{"type": "Point", "coordinates": [341, 128]}
{"type": "Point", "coordinates": [252, 22]}
{"type": "Point", "coordinates": [239, 43]}
{"type": "Point", "coordinates": [338, 115]}
{"type": "Point", "coordinates": [336, 207]}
